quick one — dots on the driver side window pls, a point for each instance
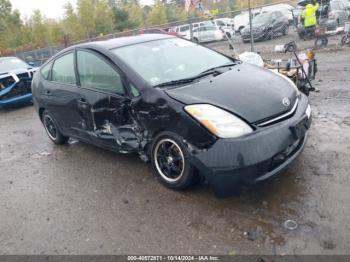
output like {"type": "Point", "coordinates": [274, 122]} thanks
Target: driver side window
{"type": "Point", "coordinates": [95, 73]}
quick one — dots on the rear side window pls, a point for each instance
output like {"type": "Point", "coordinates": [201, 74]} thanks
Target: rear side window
{"type": "Point", "coordinates": [95, 73]}
{"type": "Point", "coordinates": [185, 28]}
{"type": "Point", "coordinates": [46, 70]}
{"type": "Point", "coordinates": [63, 69]}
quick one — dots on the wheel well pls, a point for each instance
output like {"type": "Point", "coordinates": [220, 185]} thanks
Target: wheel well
{"type": "Point", "coordinates": [41, 111]}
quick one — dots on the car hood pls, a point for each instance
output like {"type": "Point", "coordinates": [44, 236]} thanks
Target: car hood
{"type": "Point", "coordinates": [253, 93]}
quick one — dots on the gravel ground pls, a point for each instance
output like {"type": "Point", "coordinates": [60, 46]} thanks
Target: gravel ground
{"type": "Point", "coordinates": [79, 199]}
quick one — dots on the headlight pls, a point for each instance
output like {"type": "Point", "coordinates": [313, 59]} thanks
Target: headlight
{"type": "Point", "coordinates": [219, 122]}
{"type": "Point", "coordinates": [308, 111]}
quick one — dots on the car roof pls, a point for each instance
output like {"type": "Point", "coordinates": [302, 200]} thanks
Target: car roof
{"type": "Point", "coordinates": [125, 41]}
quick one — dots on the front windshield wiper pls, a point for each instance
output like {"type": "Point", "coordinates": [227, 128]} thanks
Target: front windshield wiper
{"type": "Point", "coordinates": [217, 67]}
{"type": "Point", "coordinates": [209, 71]}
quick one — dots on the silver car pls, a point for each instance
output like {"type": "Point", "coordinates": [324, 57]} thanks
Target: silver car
{"type": "Point", "coordinates": [338, 12]}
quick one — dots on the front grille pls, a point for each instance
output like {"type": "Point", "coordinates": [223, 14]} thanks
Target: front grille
{"type": "Point", "coordinates": [23, 87]}
{"type": "Point", "coordinates": [24, 76]}
{"type": "Point", "coordinates": [281, 117]}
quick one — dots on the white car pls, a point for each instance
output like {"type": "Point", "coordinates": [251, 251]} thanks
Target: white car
{"type": "Point", "coordinates": [206, 34]}
{"type": "Point", "coordinates": [227, 25]}
{"type": "Point", "coordinates": [227, 29]}
{"type": "Point", "coordinates": [181, 30]}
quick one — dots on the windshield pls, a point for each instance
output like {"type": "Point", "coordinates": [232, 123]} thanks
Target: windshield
{"type": "Point", "coordinates": [169, 59]}
{"type": "Point", "coordinates": [9, 64]}
{"type": "Point", "coordinates": [261, 19]}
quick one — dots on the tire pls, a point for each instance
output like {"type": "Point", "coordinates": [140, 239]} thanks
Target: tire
{"type": "Point", "coordinates": [196, 40]}
{"type": "Point", "coordinates": [345, 40]}
{"type": "Point", "coordinates": [169, 159]}
{"type": "Point", "coordinates": [268, 35]}
{"type": "Point", "coordinates": [321, 41]}
{"type": "Point", "coordinates": [52, 129]}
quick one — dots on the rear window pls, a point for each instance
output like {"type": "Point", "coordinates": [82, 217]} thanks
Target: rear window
{"type": "Point", "coordinates": [184, 28]}
{"type": "Point", "coordinates": [63, 69]}
{"type": "Point", "coordinates": [46, 70]}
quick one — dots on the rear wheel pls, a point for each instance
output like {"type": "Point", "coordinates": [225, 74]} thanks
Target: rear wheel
{"type": "Point", "coordinates": [52, 129]}
{"type": "Point", "coordinates": [170, 162]}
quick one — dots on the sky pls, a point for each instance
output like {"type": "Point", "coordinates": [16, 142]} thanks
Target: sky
{"type": "Point", "coordinates": [50, 8]}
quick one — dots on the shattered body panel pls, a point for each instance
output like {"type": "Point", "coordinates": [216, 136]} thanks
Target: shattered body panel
{"type": "Point", "coordinates": [15, 87]}
{"type": "Point", "coordinates": [254, 158]}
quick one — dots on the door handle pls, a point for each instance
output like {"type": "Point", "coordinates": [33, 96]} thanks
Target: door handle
{"type": "Point", "coordinates": [82, 103]}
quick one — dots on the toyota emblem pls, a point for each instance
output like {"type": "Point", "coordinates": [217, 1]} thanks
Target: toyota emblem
{"type": "Point", "coordinates": [286, 102]}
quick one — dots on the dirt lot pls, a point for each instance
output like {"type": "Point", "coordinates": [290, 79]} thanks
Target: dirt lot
{"type": "Point", "coordinates": [78, 199]}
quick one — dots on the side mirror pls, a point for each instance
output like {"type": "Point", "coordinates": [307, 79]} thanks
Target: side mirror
{"type": "Point", "coordinates": [31, 64]}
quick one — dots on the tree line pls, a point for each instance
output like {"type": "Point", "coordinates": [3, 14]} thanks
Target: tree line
{"type": "Point", "coordinates": [92, 18]}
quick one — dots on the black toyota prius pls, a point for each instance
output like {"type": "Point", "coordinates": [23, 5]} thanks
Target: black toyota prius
{"type": "Point", "coordinates": [192, 112]}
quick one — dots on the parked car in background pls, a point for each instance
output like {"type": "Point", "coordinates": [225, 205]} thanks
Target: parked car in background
{"type": "Point", "coordinates": [15, 81]}
{"type": "Point", "coordinates": [346, 4]}
{"type": "Point", "coordinates": [330, 14]}
{"type": "Point", "coordinates": [226, 29]}
{"type": "Point", "coordinates": [266, 26]}
{"type": "Point", "coordinates": [181, 30]}
{"type": "Point", "coordinates": [226, 25]}
{"type": "Point", "coordinates": [338, 12]}
{"type": "Point", "coordinates": [242, 20]}
{"type": "Point", "coordinates": [206, 34]}
{"type": "Point", "coordinates": [181, 106]}
{"type": "Point", "coordinates": [157, 31]}
{"type": "Point", "coordinates": [285, 9]}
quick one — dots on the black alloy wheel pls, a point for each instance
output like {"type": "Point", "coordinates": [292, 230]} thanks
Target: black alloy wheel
{"type": "Point", "coordinates": [52, 129]}
{"type": "Point", "coordinates": [170, 162]}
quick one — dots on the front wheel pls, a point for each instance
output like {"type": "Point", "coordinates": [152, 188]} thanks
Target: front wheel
{"type": "Point", "coordinates": [170, 162]}
{"type": "Point", "coordinates": [345, 40]}
{"type": "Point", "coordinates": [285, 30]}
{"type": "Point", "coordinates": [52, 129]}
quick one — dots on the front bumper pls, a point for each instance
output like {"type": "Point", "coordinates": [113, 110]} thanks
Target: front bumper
{"type": "Point", "coordinates": [254, 158]}
{"type": "Point", "coordinates": [18, 92]}
{"type": "Point", "coordinates": [258, 35]}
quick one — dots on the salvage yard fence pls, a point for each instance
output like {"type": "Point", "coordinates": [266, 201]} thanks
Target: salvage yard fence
{"type": "Point", "coordinates": [38, 56]}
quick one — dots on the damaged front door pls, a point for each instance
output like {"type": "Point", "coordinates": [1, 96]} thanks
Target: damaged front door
{"type": "Point", "coordinates": [104, 104]}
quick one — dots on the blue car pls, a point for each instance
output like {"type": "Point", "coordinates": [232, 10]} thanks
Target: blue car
{"type": "Point", "coordinates": [15, 81]}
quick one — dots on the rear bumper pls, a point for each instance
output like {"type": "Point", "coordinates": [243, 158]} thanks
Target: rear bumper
{"type": "Point", "coordinates": [254, 158]}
